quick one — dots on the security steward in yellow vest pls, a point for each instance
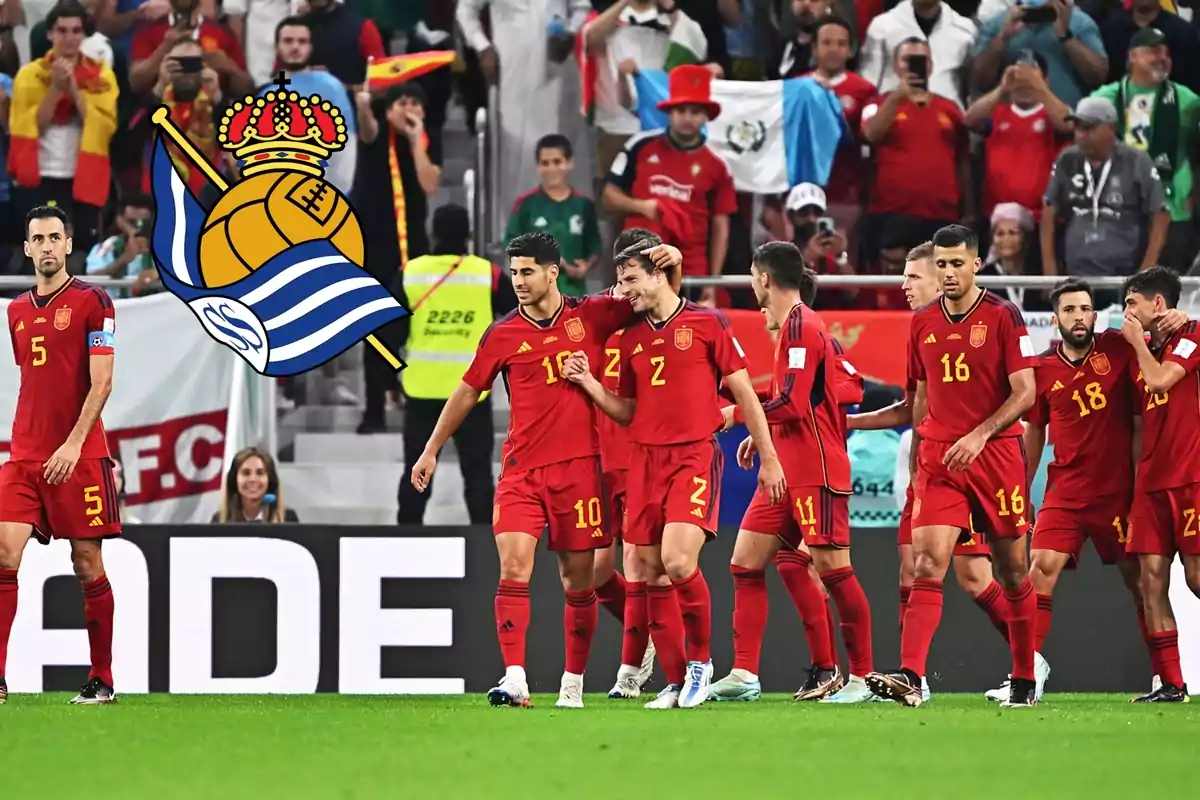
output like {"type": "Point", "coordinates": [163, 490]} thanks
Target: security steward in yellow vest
{"type": "Point", "coordinates": [453, 298]}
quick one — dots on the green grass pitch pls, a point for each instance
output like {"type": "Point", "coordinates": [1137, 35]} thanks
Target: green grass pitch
{"type": "Point", "coordinates": [328, 746]}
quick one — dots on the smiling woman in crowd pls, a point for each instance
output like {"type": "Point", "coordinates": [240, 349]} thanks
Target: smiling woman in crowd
{"type": "Point", "coordinates": [252, 492]}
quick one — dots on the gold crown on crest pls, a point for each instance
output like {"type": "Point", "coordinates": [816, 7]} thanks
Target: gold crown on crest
{"type": "Point", "coordinates": [282, 131]}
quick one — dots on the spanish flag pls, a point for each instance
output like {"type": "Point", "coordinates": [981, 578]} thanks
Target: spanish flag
{"type": "Point", "coordinates": [93, 170]}
{"type": "Point", "coordinates": [398, 69]}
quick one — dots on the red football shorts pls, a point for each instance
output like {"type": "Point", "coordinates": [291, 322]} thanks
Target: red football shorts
{"type": "Point", "coordinates": [1164, 523]}
{"type": "Point", "coordinates": [672, 483]}
{"type": "Point", "coordinates": [566, 499]}
{"type": "Point", "coordinates": [975, 543]}
{"type": "Point", "coordinates": [991, 492]}
{"type": "Point", "coordinates": [83, 507]}
{"type": "Point", "coordinates": [614, 491]}
{"type": "Point", "coordinates": [1062, 530]}
{"type": "Point", "coordinates": [812, 514]}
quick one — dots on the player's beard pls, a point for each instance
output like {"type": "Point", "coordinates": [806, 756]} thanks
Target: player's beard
{"type": "Point", "coordinates": [50, 268]}
{"type": "Point", "coordinates": [1079, 340]}
{"type": "Point", "coordinates": [294, 66]}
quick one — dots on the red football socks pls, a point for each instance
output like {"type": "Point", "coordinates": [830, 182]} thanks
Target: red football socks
{"type": "Point", "coordinates": [810, 604]}
{"type": "Point", "coordinates": [1166, 643]}
{"type": "Point", "coordinates": [1041, 625]}
{"type": "Point", "coordinates": [579, 625]}
{"type": "Point", "coordinates": [920, 623]}
{"type": "Point", "coordinates": [8, 611]}
{"type": "Point", "coordinates": [666, 627]}
{"type": "Point", "coordinates": [855, 615]}
{"type": "Point", "coordinates": [831, 627]}
{"type": "Point", "coordinates": [512, 621]}
{"type": "Point", "coordinates": [1148, 640]}
{"type": "Point", "coordinates": [98, 613]}
{"type": "Point", "coordinates": [611, 595]}
{"type": "Point", "coordinates": [695, 603]}
{"type": "Point", "coordinates": [1022, 610]}
{"type": "Point", "coordinates": [992, 601]}
{"type": "Point", "coordinates": [905, 593]}
{"type": "Point", "coordinates": [749, 616]}
{"type": "Point", "coordinates": [636, 637]}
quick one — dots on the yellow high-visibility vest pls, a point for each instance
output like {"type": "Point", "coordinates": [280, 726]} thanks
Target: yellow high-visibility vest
{"type": "Point", "coordinates": [453, 309]}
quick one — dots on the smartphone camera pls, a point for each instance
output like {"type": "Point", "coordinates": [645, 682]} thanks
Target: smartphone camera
{"type": "Point", "coordinates": [918, 65]}
{"type": "Point", "coordinates": [825, 226]}
{"type": "Point", "coordinates": [1038, 15]}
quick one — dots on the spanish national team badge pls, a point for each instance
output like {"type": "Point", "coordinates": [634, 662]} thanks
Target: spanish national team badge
{"type": "Point", "coordinates": [274, 270]}
{"type": "Point", "coordinates": [1100, 363]}
{"type": "Point", "coordinates": [575, 329]}
{"type": "Point", "coordinates": [683, 338]}
{"type": "Point", "coordinates": [978, 335]}
{"type": "Point", "coordinates": [62, 319]}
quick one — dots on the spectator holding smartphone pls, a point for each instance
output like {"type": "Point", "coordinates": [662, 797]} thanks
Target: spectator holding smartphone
{"type": "Point", "coordinates": [221, 51]}
{"type": "Point", "coordinates": [126, 253]}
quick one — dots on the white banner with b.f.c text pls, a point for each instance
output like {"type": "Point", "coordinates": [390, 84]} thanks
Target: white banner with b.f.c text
{"type": "Point", "coordinates": [166, 417]}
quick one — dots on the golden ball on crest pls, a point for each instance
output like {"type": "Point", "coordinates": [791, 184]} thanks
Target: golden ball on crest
{"type": "Point", "coordinates": [263, 215]}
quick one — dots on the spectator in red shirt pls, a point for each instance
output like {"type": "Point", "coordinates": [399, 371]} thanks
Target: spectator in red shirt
{"type": "Point", "coordinates": [834, 46]}
{"type": "Point", "coordinates": [1026, 127]}
{"type": "Point", "coordinates": [922, 164]}
{"type": "Point", "coordinates": [823, 245]}
{"type": "Point", "coordinates": [672, 183]}
{"type": "Point", "coordinates": [222, 52]}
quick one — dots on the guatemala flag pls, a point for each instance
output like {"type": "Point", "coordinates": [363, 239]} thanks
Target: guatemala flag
{"type": "Point", "coordinates": [303, 307]}
{"type": "Point", "coordinates": [772, 134]}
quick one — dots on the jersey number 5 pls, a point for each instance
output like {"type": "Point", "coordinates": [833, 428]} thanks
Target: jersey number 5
{"type": "Point", "coordinates": [39, 352]}
{"type": "Point", "coordinates": [91, 496]}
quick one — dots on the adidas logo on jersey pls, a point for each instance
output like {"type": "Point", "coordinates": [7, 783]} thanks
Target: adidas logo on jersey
{"type": "Point", "coordinates": [20, 326]}
{"type": "Point", "coordinates": [931, 339]}
{"type": "Point", "coordinates": [698, 512]}
{"type": "Point", "coordinates": [1057, 385]}
{"type": "Point", "coordinates": [1078, 375]}
{"type": "Point", "coordinates": [637, 349]}
{"type": "Point", "coordinates": [95, 523]}
{"type": "Point", "coordinates": [524, 348]}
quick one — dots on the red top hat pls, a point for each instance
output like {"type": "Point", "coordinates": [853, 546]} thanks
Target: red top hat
{"type": "Point", "coordinates": [691, 84]}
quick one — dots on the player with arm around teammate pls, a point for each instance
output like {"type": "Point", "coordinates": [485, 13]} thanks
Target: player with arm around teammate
{"type": "Point", "coordinates": [1163, 520]}
{"type": "Point", "coordinates": [550, 475]}
{"type": "Point", "coordinates": [58, 482]}
{"type": "Point", "coordinates": [972, 361]}
{"type": "Point", "coordinates": [972, 558]}
{"type": "Point", "coordinates": [671, 365]}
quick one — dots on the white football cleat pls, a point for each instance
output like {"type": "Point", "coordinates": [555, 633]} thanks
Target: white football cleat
{"type": "Point", "coordinates": [1155, 684]}
{"type": "Point", "coordinates": [1041, 674]}
{"type": "Point", "coordinates": [627, 686]}
{"type": "Point", "coordinates": [570, 691]}
{"type": "Point", "coordinates": [696, 683]}
{"type": "Point", "coordinates": [647, 669]}
{"type": "Point", "coordinates": [667, 698]}
{"type": "Point", "coordinates": [512, 691]}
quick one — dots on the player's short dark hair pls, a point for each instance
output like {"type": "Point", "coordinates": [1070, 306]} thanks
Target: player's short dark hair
{"type": "Point", "coordinates": [291, 22]}
{"type": "Point", "coordinates": [451, 228]}
{"type": "Point", "coordinates": [957, 236]}
{"type": "Point", "coordinates": [47, 212]}
{"type": "Point", "coordinates": [921, 252]}
{"type": "Point", "coordinates": [70, 9]}
{"type": "Point", "coordinates": [911, 40]}
{"type": "Point", "coordinates": [539, 246]}
{"type": "Point", "coordinates": [1068, 286]}
{"type": "Point", "coordinates": [832, 19]}
{"type": "Point", "coordinates": [1155, 281]}
{"type": "Point", "coordinates": [136, 200]}
{"type": "Point", "coordinates": [553, 141]}
{"type": "Point", "coordinates": [630, 244]}
{"type": "Point", "coordinates": [784, 262]}
{"type": "Point", "coordinates": [808, 287]}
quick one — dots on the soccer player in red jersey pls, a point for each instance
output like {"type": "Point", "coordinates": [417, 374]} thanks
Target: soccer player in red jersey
{"type": "Point", "coordinates": [550, 467]}
{"type": "Point", "coordinates": [972, 558]}
{"type": "Point", "coordinates": [671, 366]}
{"type": "Point", "coordinates": [808, 427]}
{"type": "Point", "coordinates": [972, 361]}
{"type": "Point", "coordinates": [1163, 521]}
{"type": "Point", "coordinates": [59, 481]}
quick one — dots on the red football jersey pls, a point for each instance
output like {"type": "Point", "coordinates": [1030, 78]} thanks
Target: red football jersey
{"type": "Point", "coordinates": [652, 168]}
{"type": "Point", "coordinates": [673, 369]}
{"type": "Point", "coordinates": [1088, 405]}
{"type": "Point", "coordinates": [808, 424]}
{"type": "Point", "coordinates": [551, 419]}
{"type": "Point", "coordinates": [965, 364]}
{"type": "Point", "coordinates": [614, 440]}
{"type": "Point", "coordinates": [916, 164]}
{"type": "Point", "coordinates": [850, 385]}
{"type": "Point", "coordinates": [855, 93]}
{"type": "Point", "coordinates": [1021, 148]}
{"type": "Point", "coordinates": [1171, 421]}
{"type": "Point", "coordinates": [53, 340]}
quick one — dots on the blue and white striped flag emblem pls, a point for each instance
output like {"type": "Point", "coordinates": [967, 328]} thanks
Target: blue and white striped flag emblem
{"type": "Point", "coordinates": [302, 308]}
